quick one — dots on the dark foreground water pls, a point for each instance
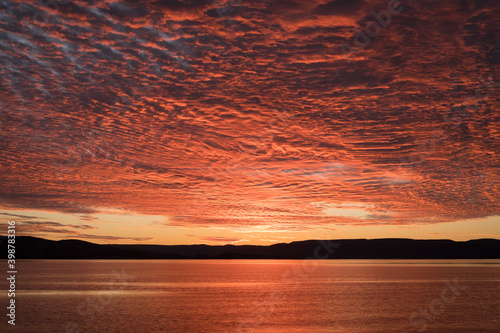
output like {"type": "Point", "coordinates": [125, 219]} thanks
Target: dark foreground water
{"type": "Point", "coordinates": [256, 296]}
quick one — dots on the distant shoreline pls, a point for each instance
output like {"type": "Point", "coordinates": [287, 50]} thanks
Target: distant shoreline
{"type": "Point", "coordinates": [28, 247]}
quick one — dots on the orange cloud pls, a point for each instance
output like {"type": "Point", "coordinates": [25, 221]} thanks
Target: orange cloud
{"type": "Point", "coordinates": [252, 117]}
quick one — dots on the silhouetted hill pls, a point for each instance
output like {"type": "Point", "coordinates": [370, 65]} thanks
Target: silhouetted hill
{"type": "Point", "coordinates": [38, 248]}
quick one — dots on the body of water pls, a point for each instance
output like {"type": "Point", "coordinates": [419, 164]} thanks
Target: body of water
{"type": "Point", "coordinates": [256, 296]}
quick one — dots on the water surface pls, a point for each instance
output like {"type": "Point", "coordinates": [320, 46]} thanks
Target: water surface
{"type": "Point", "coordinates": [257, 296]}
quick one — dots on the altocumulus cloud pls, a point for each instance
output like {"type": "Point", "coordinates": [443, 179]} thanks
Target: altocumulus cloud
{"type": "Point", "coordinates": [250, 116]}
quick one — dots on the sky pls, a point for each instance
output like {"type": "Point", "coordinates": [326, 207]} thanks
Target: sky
{"type": "Point", "coordinates": [250, 122]}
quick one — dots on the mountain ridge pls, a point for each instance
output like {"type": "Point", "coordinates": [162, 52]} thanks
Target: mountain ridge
{"type": "Point", "coordinates": [29, 247]}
